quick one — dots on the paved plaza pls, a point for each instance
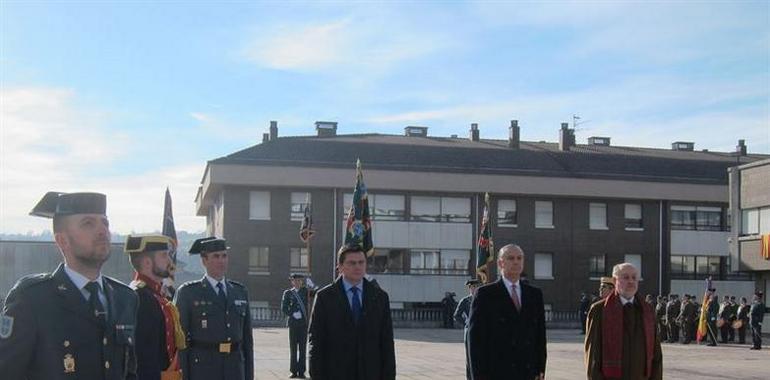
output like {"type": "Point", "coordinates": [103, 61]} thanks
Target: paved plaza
{"type": "Point", "coordinates": [439, 354]}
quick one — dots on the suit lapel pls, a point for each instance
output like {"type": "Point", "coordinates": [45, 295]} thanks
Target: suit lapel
{"type": "Point", "coordinates": [211, 292]}
{"type": "Point", "coordinates": [503, 289]}
{"type": "Point", "coordinates": [70, 296]}
{"type": "Point", "coordinates": [112, 314]}
{"type": "Point", "coordinates": [342, 300]}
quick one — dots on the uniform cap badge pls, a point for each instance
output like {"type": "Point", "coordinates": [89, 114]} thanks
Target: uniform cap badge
{"type": "Point", "coordinates": [69, 363]}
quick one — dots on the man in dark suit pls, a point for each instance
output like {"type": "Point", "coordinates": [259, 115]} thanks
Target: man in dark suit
{"type": "Point", "coordinates": [158, 331]}
{"type": "Point", "coordinates": [507, 325]}
{"type": "Point", "coordinates": [294, 306]}
{"type": "Point", "coordinates": [215, 315]}
{"type": "Point", "coordinates": [351, 332]}
{"type": "Point", "coordinates": [74, 322]}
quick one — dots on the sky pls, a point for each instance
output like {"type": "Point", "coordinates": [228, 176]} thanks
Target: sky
{"type": "Point", "coordinates": [130, 97]}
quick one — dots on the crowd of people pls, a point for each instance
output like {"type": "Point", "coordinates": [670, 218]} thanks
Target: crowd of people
{"type": "Point", "coordinates": [78, 323]}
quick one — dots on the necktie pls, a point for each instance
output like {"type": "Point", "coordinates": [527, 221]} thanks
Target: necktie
{"type": "Point", "coordinates": [94, 302]}
{"type": "Point", "coordinates": [356, 304]}
{"type": "Point", "coordinates": [515, 298]}
{"type": "Point", "coordinates": [221, 294]}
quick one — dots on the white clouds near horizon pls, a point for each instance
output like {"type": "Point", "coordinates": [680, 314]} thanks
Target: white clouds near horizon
{"type": "Point", "coordinates": [50, 143]}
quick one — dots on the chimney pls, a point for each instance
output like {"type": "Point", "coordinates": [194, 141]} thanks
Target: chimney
{"type": "Point", "coordinates": [265, 137]}
{"type": "Point", "coordinates": [566, 137]}
{"type": "Point", "coordinates": [683, 146]}
{"type": "Point", "coordinates": [415, 131]}
{"type": "Point", "coordinates": [326, 128]}
{"type": "Point", "coordinates": [741, 148]}
{"type": "Point", "coordinates": [513, 135]}
{"type": "Point", "coordinates": [273, 130]}
{"type": "Point", "coordinates": [474, 132]}
{"type": "Point", "coordinates": [596, 140]}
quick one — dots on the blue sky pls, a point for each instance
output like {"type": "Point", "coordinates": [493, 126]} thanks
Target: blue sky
{"type": "Point", "coordinates": [129, 97]}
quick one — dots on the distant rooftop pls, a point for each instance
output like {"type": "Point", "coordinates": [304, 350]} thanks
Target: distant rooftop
{"type": "Point", "coordinates": [488, 156]}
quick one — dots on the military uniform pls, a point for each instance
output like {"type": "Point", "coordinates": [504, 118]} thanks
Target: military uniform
{"type": "Point", "coordinates": [158, 330]}
{"type": "Point", "coordinates": [461, 316]}
{"type": "Point", "coordinates": [756, 314]}
{"type": "Point", "coordinates": [55, 334]}
{"type": "Point", "coordinates": [64, 325]}
{"type": "Point", "coordinates": [672, 312]}
{"type": "Point", "coordinates": [688, 318]}
{"type": "Point", "coordinates": [731, 317]}
{"type": "Point", "coordinates": [724, 315]}
{"type": "Point", "coordinates": [220, 344]}
{"type": "Point", "coordinates": [660, 318]}
{"type": "Point", "coordinates": [743, 316]}
{"type": "Point", "coordinates": [294, 305]}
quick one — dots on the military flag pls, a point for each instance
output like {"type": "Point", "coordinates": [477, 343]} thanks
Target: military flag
{"type": "Point", "coordinates": [764, 246]}
{"type": "Point", "coordinates": [170, 230]}
{"type": "Point", "coordinates": [306, 228]}
{"type": "Point", "coordinates": [358, 230]}
{"type": "Point", "coordinates": [486, 247]}
{"type": "Point", "coordinates": [703, 321]}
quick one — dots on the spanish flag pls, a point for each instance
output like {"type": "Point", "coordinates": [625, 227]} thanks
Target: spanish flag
{"type": "Point", "coordinates": [703, 321]}
{"type": "Point", "coordinates": [764, 247]}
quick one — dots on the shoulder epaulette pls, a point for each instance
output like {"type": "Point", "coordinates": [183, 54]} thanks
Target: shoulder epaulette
{"type": "Point", "coordinates": [236, 283]}
{"type": "Point", "coordinates": [31, 280]}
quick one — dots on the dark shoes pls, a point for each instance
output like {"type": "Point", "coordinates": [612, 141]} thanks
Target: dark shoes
{"type": "Point", "coordinates": [297, 376]}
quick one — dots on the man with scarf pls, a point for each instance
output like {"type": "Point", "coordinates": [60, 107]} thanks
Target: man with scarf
{"type": "Point", "coordinates": [158, 332]}
{"type": "Point", "coordinates": [621, 342]}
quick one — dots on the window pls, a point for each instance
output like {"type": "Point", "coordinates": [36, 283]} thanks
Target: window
{"type": "Point", "coordinates": [543, 214]}
{"type": "Point", "coordinates": [636, 260]}
{"type": "Point", "coordinates": [750, 221]}
{"type": "Point", "coordinates": [597, 266]}
{"type": "Point", "coordinates": [456, 210]}
{"type": "Point", "coordinates": [259, 260]}
{"type": "Point", "coordinates": [298, 259]}
{"type": "Point", "coordinates": [424, 261]}
{"type": "Point", "coordinates": [544, 266]}
{"type": "Point", "coordinates": [756, 221]}
{"type": "Point", "coordinates": [696, 218]}
{"type": "Point", "coordinates": [709, 218]}
{"type": "Point", "coordinates": [707, 266]}
{"type": "Point", "coordinates": [426, 209]}
{"type": "Point", "coordinates": [386, 206]}
{"type": "Point", "coordinates": [598, 216]}
{"type": "Point", "coordinates": [683, 267]}
{"type": "Point", "coordinates": [298, 203]}
{"type": "Point", "coordinates": [633, 217]}
{"type": "Point", "coordinates": [455, 261]}
{"type": "Point", "coordinates": [441, 209]}
{"type": "Point", "coordinates": [259, 205]}
{"type": "Point", "coordinates": [506, 213]}
{"type": "Point", "coordinates": [386, 260]}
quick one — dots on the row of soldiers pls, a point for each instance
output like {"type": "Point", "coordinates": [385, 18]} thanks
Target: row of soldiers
{"type": "Point", "coordinates": [78, 323]}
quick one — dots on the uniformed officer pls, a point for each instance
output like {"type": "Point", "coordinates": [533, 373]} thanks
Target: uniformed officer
{"type": "Point", "coordinates": [689, 315]}
{"type": "Point", "coordinates": [724, 319]}
{"type": "Point", "coordinates": [158, 331]}
{"type": "Point", "coordinates": [606, 287]}
{"type": "Point", "coordinates": [756, 314]}
{"type": "Point", "coordinates": [660, 317]}
{"type": "Point", "coordinates": [743, 319]}
{"type": "Point", "coordinates": [216, 317]}
{"type": "Point", "coordinates": [461, 316]}
{"type": "Point", "coordinates": [672, 312]}
{"type": "Point", "coordinates": [74, 322]}
{"type": "Point", "coordinates": [733, 316]}
{"type": "Point", "coordinates": [294, 305]}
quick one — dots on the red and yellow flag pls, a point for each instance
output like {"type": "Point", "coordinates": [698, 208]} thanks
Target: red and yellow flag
{"type": "Point", "coordinates": [764, 247]}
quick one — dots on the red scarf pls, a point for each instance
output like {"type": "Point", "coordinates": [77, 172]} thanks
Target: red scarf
{"type": "Point", "coordinates": [612, 336]}
{"type": "Point", "coordinates": [165, 306]}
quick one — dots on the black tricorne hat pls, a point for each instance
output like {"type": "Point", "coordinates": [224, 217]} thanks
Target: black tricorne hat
{"type": "Point", "coordinates": [147, 243]}
{"type": "Point", "coordinates": [296, 276]}
{"type": "Point", "coordinates": [473, 281]}
{"type": "Point", "coordinates": [56, 203]}
{"type": "Point", "coordinates": [208, 244]}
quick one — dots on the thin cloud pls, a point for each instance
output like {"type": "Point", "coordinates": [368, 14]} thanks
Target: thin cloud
{"type": "Point", "coordinates": [47, 143]}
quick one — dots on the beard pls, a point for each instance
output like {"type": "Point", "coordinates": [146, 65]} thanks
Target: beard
{"type": "Point", "coordinates": [161, 272]}
{"type": "Point", "coordinates": [92, 256]}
